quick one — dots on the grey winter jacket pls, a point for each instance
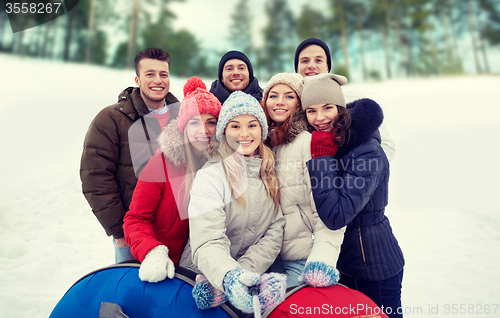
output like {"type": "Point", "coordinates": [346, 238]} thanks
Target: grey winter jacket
{"type": "Point", "coordinates": [223, 233]}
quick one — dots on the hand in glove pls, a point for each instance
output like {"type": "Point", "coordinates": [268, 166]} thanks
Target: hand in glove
{"type": "Point", "coordinates": [322, 144]}
{"type": "Point", "coordinates": [207, 296]}
{"type": "Point", "coordinates": [236, 286]}
{"type": "Point", "coordinates": [318, 274]}
{"type": "Point", "coordinates": [156, 266]}
{"type": "Point", "coordinates": [272, 290]}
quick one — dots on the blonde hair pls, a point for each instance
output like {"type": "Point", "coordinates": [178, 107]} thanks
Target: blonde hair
{"type": "Point", "coordinates": [193, 165]}
{"type": "Point", "coordinates": [233, 163]}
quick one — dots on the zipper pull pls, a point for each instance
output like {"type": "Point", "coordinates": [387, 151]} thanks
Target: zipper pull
{"type": "Point", "coordinates": [312, 235]}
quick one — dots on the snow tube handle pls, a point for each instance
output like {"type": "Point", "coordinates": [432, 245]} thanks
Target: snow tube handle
{"type": "Point", "coordinates": [111, 310]}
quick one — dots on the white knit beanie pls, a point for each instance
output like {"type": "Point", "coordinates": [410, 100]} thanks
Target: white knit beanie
{"type": "Point", "coordinates": [239, 103]}
{"type": "Point", "coordinates": [323, 89]}
{"type": "Point", "coordinates": [293, 80]}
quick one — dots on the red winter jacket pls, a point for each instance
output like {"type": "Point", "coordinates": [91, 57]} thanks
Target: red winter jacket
{"type": "Point", "coordinates": [157, 215]}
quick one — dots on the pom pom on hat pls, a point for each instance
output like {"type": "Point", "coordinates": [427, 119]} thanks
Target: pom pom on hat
{"type": "Point", "coordinates": [323, 89]}
{"type": "Point", "coordinates": [293, 80]}
{"type": "Point", "coordinates": [239, 103]}
{"type": "Point", "coordinates": [197, 100]}
{"type": "Point", "coordinates": [192, 84]}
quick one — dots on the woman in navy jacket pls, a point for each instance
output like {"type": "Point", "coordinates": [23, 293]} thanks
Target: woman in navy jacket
{"type": "Point", "coordinates": [349, 176]}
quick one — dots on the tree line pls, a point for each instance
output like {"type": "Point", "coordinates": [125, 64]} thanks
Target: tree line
{"type": "Point", "coordinates": [381, 38]}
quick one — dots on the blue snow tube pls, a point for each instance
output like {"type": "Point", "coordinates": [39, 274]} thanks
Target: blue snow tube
{"type": "Point", "coordinates": [117, 291]}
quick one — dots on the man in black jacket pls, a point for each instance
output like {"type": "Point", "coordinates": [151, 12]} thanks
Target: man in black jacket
{"type": "Point", "coordinates": [235, 74]}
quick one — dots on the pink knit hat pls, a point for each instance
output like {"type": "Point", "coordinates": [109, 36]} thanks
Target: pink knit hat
{"type": "Point", "coordinates": [197, 100]}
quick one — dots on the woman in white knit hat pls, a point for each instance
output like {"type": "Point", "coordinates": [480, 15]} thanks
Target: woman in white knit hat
{"type": "Point", "coordinates": [236, 224]}
{"type": "Point", "coordinates": [309, 247]}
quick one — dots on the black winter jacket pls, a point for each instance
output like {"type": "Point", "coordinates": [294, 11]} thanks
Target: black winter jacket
{"type": "Point", "coordinates": [351, 188]}
{"type": "Point", "coordinates": [220, 91]}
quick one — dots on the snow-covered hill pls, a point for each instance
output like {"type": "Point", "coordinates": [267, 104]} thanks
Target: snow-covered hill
{"type": "Point", "coordinates": [444, 185]}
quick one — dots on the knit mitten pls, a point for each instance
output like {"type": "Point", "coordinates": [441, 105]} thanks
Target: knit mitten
{"type": "Point", "coordinates": [236, 286]}
{"type": "Point", "coordinates": [318, 274]}
{"type": "Point", "coordinates": [207, 296]}
{"type": "Point", "coordinates": [322, 144]}
{"type": "Point", "coordinates": [157, 266]}
{"type": "Point", "coordinates": [272, 290]}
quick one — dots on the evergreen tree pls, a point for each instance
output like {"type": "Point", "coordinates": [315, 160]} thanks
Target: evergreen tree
{"type": "Point", "coordinates": [279, 39]}
{"type": "Point", "coordinates": [311, 24]}
{"type": "Point", "coordinates": [240, 34]}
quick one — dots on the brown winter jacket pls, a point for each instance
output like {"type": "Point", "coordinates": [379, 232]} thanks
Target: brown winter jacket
{"type": "Point", "coordinates": [106, 169]}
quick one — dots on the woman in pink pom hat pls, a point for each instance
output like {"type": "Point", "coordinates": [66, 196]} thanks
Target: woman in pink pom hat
{"type": "Point", "coordinates": [156, 226]}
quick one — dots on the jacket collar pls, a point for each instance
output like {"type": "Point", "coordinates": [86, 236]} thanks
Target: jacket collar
{"type": "Point", "coordinates": [298, 123]}
{"type": "Point", "coordinates": [220, 91]}
{"type": "Point", "coordinates": [135, 107]}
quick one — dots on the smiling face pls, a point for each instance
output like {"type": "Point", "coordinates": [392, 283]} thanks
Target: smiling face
{"type": "Point", "coordinates": [281, 103]}
{"type": "Point", "coordinates": [235, 75]}
{"type": "Point", "coordinates": [312, 61]}
{"type": "Point", "coordinates": [244, 134]}
{"type": "Point", "coordinates": [154, 82]}
{"type": "Point", "coordinates": [199, 129]}
{"type": "Point", "coordinates": [321, 116]}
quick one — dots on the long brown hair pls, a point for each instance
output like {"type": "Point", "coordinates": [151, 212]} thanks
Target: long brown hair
{"type": "Point", "coordinates": [279, 132]}
{"type": "Point", "coordinates": [193, 164]}
{"type": "Point", "coordinates": [341, 126]}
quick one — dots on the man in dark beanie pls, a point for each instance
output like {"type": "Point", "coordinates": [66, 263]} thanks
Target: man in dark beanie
{"type": "Point", "coordinates": [312, 57]}
{"type": "Point", "coordinates": [235, 74]}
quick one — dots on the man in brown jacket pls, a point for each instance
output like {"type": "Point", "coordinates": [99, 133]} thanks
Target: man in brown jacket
{"type": "Point", "coordinates": [120, 141]}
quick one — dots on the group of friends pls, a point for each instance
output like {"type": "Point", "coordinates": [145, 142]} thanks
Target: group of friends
{"type": "Point", "coordinates": [248, 187]}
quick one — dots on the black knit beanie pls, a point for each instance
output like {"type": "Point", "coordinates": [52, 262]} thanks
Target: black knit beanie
{"type": "Point", "coordinates": [235, 55]}
{"type": "Point", "coordinates": [313, 41]}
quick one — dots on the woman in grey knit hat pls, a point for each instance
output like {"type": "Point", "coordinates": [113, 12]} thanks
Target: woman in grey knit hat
{"type": "Point", "coordinates": [349, 175]}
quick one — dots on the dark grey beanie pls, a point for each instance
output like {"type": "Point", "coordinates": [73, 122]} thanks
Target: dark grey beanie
{"type": "Point", "coordinates": [235, 55]}
{"type": "Point", "coordinates": [313, 41]}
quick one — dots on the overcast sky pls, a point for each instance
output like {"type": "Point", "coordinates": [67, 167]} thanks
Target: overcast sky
{"type": "Point", "coordinates": [210, 20]}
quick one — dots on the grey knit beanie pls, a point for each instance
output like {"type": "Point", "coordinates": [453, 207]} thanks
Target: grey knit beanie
{"type": "Point", "coordinates": [239, 103]}
{"type": "Point", "coordinates": [323, 89]}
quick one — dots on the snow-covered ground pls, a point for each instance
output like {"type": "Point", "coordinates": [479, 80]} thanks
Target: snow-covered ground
{"type": "Point", "coordinates": [444, 187]}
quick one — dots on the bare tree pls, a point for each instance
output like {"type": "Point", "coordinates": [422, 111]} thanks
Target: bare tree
{"type": "Point", "coordinates": [132, 39]}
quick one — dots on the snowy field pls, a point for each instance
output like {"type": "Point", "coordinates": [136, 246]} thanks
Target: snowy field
{"type": "Point", "coordinates": [444, 187]}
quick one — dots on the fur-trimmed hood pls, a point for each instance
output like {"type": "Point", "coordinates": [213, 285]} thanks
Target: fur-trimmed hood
{"type": "Point", "coordinates": [298, 123]}
{"type": "Point", "coordinates": [171, 143]}
{"type": "Point", "coordinates": [366, 118]}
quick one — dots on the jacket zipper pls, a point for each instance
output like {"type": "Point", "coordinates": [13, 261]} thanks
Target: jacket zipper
{"type": "Point", "coordinates": [361, 243]}
{"type": "Point", "coordinates": [308, 224]}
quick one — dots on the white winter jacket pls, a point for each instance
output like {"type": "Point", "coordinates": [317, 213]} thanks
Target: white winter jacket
{"type": "Point", "coordinates": [224, 234]}
{"type": "Point", "coordinates": [305, 235]}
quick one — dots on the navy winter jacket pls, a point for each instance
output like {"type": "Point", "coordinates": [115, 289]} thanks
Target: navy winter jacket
{"type": "Point", "coordinates": [351, 188]}
{"type": "Point", "coordinates": [220, 91]}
